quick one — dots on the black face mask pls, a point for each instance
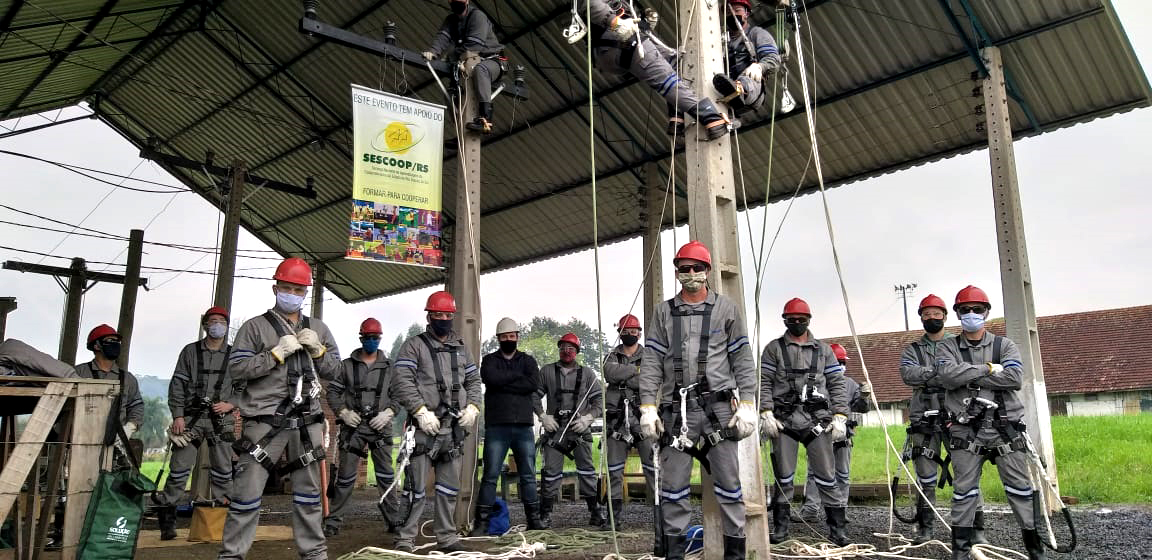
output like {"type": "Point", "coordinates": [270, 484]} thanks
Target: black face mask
{"type": "Point", "coordinates": [629, 339]}
{"type": "Point", "coordinates": [458, 8]}
{"type": "Point", "coordinates": [507, 346]}
{"type": "Point", "coordinates": [110, 349]}
{"type": "Point", "coordinates": [933, 326]}
{"type": "Point", "coordinates": [797, 329]}
{"type": "Point", "coordinates": [441, 326]}
{"type": "Point", "coordinates": [733, 23]}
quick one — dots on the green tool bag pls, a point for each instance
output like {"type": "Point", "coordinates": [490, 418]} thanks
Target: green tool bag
{"type": "Point", "coordinates": [112, 522]}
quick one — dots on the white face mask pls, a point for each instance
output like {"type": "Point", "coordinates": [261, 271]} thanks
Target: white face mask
{"type": "Point", "coordinates": [692, 281]}
{"type": "Point", "coordinates": [217, 330]}
{"type": "Point", "coordinates": [972, 322]}
{"type": "Point", "coordinates": [288, 303]}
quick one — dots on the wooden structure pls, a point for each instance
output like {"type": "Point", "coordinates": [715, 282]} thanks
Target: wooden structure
{"type": "Point", "coordinates": [79, 408]}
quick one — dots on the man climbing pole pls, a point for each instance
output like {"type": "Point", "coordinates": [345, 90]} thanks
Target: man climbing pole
{"type": "Point", "coordinates": [982, 375]}
{"type": "Point", "coordinates": [438, 383]}
{"type": "Point", "coordinates": [278, 358]}
{"type": "Point", "coordinates": [464, 38]}
{"type": "Point", "coordinates": [803, 401]}
{"type": "Point", "coordinates": [574, 401]}
{"type": "Point", "coordinates": [364, 410]}
{"type": "Point", "coordinates": [926, 428]}
{"type": "Point", "coordinates": [622, 422]}
{"type": "Point", "coordinates": [752, 57]}
{"type": "Point", "coordinates": [198, 397]}
{"type": "Point", "coordinates": [697, 388]}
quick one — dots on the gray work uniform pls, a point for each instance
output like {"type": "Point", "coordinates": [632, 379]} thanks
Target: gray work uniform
{"type": "Point", "coordinates": [565, 388]}
{"type": "Point", "coordinates": [268, 386]}
{"type": "Point", "coordinates": [803, 385]}
{"type": "Point", "coordinates": [441, 376]}
{"type": "Point", "coordinates": [363, 389]}
{"type": "Point", "coordinates": [131, 404]}
{"type": "Point", "coordinates": [975, 435]}
{"type": "Point", "coordinates": [680, 351]}
{"type": "Point", "coordinates": [926, 428]}
{"type": "Point", "coordinates": [841, 453]}
{"type": "Point", "coordinates": [472, 33]}
{"type": "Point", "coordinates": [200, 380]}
{"type": "Point", "coordinates": [740, 58]}
{"type": "Point", "coordinates": [622, 424]}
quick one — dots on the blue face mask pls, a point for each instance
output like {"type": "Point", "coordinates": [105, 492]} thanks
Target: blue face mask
{"type": "Point", "coordinates": [370, 345]}
{"type": "Point", "coordinates": [972, 322]}
{"type": "Point", "coordinates": [288, 303]}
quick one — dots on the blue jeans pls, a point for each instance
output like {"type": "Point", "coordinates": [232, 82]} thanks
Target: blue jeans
{"type": "Point", "coordinates": [498, 439]}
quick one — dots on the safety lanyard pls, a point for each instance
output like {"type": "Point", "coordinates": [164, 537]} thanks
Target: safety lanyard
{"type": "Point", "coordinates": [299, 364]}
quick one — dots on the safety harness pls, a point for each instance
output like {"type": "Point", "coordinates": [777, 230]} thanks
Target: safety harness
{"type": "Point", "coordinates": [808, 397]}
{"type": "Point", "coordinates": [926, 434]}
{"type": "Point", "coordinates": [202, 403]}
{"type": "Point", "coordinates": [565, 440]}
{"type": "Point", "coordinates": [981, 412]}
{"type": "Point", "coordinates": [448, 411]}
{"type": "Point", "coordinates": [362, 439]}
{"type": "Point", "coordinates": [293, 412]}
{"type": "Point", "coordinates": [625, 412]}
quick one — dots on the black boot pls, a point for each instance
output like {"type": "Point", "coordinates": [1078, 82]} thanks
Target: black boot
{"type": "Point", "coordinates": [733, 548]}
{"type": "Point", "coordinates": [732, 90]}
{"type": "Point", "coordinates": [483, 121]}
{"type": "Point", "coordinates": [711, 120]}
{"type": "Point", "coordinates": [978, 528]}
{"type": "Point", "coordinates": [166, 515]}
{"type": "Point", "coordinates": [674, 546]}
{"type": "Point", "coordinates": [480, 527]}
{"type": "Point", "coordinates": [1032, 545]}
{"type": "Point", "coordinates": [532, 513]}
{"type": "Point", "coordinates": [924, 522]}
{"type": "Point", "coordinates": [56, 534]}
{"type": "Point", "coordinates": [546, 512]}
{"type": "Point", "coordinates": [595, 518]}
{"type": "Point", "coordinates": [962, 543]}
{"type": "Point", "coordinates": [615, 514]}
{"type": "Point", "coordinates": [836, 523]}
{"type": "Point", "coordinates": [780, 513]}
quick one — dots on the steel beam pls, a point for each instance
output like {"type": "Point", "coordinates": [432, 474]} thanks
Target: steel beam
{"type": "Point", "coordinates": [10, 15]}
{"type": "Point", "coordinates": [158, 32]}
{"type": "Point", "coordinates": [65, 21]}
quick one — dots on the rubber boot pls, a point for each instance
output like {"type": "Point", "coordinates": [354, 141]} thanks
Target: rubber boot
{"type": "Point", "coordinates": [734, 548]}
{"type": "Point", "coordinates": [532, 513]}
{"type": "Point", "coordinates": [837, 521]}
{"type": "Point", "coordinates": [780, 518]}
{"type": "Point", "coordinates": [546, 512]}
{"type": "Point", "coordinates": [962, 543]}
{"type": "Point", "coordinates": [483, 121]}
{"type": "Point", "coordinates": [924, 522]}
{"type": "Point", "coordinates": [167, 520]}
{"type": "Point", "coordinates": [56, 534]}
{"type": "Point", "coordinates": [731, 90]}
{"type": "Point", "coordinates": [614, 515]}
{"type": "Point", "coordinates": [714, 123]}
{"type": "Point", "coordinates": [1033, 545]}
{"type": "Point", "coordinates": [595, 518]}
{"type": "Point", "coordinates": [978, 528]}
{"type": "Point", "coordinates": [480, 527]}
{"type": "Point", "coordinates": [674, 546]}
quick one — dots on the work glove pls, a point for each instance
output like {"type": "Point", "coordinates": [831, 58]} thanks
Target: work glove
{"type": "Point", "coordinates": [993, 369]}
{"type": "Point", "coordinates": [839, 427]}
{"type": "Point", "coordinates": [428, 55]}
{"type": "Point", "coordinates": [130, 428]}
{"type": "Point", "coordinates": [625, 27]}
{"type": "Point", "coordinates": [582, 423]}
{"type": "Point", "coordinates": [177, 426]}
{"type": "Point", "coordinates": [744, 419]}
{"type": "Point", "coordinates": [866, 388]}
{"type": "Point", "coordinates": [428, 422]}
{"type": "Point", "coordinates": [311, 342]}
{"type": "Point", "coordinates": [179, 440]}
{"type": "Point", "coordinates": [469, 416]}
{"type": "Point", "coordinates": [287, 346]}
{"type": "Point", "coordinates": [548, 422]}
{"type": "Point", "coordinates": [769, 425]}
{"type": "Point", "coordinates": [349, 417]}
{"type": "Point", "coordinates": [381, 419]}
{"type": "Point", "coordinates": [753, 72]}
{"type": "Point", "coordinates": [650, 425]}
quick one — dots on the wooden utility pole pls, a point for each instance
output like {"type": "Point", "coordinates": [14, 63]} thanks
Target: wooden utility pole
{"type": "Point", "coordinates": [7, 305]}
{"type": "Point", "coordinates": [651, 261]}
{"type": "Point", "coordinates": [318, 276]}
{"type": "Point", "coordinates": [226, 269]}
{"type": "Point", "coordinates": [128, 296]}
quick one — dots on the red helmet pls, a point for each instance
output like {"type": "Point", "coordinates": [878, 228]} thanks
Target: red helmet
{"type": "Point", "coordinates": [628, 321]}
{"type": "Point", "coordinates": [570, 338]}
{"type": "Point", "coordinates": [694, 250]}
{"type": "Point", "coordinates": [100, 332]}
{"type": "Point", "coordinates": [441, 301]}
{"type": "Point", "coordinates": [370, 326]}
{"type": "Point", "coordinates": [294, 270]}
{"type": "Point", "coordinates": [971, 294]}
{"type": "Point", "coordinates": [932, 301]}
{"type": "Point", "coordinates": [796, 306]}
{"type": "Point", "coordinates": [746, 3]}
{"type": "Point", "coordinates": [840, 351]}
{"type": "Point", "coordinates": [214, 310]}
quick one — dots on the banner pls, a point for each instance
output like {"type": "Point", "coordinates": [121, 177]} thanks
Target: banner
{"type": "Point", "coordinates": [399, 156]}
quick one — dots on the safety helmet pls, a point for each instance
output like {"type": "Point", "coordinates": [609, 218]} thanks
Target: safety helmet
{"type": "Point", "coordinates": [746, 3]}
{"type": "Point", "coordinates": [796, 306]}
{"type": "Point", "coordinates": [840, 351]}
{"type": "Point", "coordinates": [932, 301]}
{"type": "Point", "coordinates": [294, 270]}
{"type": "Point", "coordinates": [971, 294]}
{"type": "Point", "coordinates": [628, 321]}
{"type": "Point", "coordinates": [507, 325]}
{"type": "Point", "coordinates": [100, 332]}
{"type": "Point", "coordinates": [214, 310]}
{"type": "Point", "coordinates": [694, 250]}
{"type": "Point", "coordinates": [370, 326]}
{"type": "Point", "coordinates": [441, 301]}
{"type": "Point", "coordinates": [570, 338]}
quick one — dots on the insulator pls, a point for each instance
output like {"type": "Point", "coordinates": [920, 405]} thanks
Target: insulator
{"type": "Point", "coordinates": [390, 32]}
{"type": "Point", "coordinates": [518, 75]}
{"type": "Point", "coordinates": [310, 8]}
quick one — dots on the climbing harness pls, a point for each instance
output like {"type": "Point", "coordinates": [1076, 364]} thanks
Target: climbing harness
{"type": "Point", "coordinates": [202, 403]}
{"type": "Point", "coordinates": [563, 441]}
{"type": "Point", "coordinates": [362, 439]}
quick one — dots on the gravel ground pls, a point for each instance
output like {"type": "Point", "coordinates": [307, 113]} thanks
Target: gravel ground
{"type": "Point", "coordinates": [1105, 532]}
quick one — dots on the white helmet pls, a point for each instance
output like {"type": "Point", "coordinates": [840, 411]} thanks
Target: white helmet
{"type": "Point", "coordinates": [507, 325]}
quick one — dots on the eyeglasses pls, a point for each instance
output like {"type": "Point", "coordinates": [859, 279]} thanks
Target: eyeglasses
{"type": "Point", "coordinates": [796, 321]}
{"type": "Point", "coordinates": [932, 315]}
{"type": "Point", "coordinates": [964, 309]}
{"type": "Point", "coordinates": [442, 315]}
{"type": "Point", "coordinates": [686, 268]}
{"type": "Point", "coordinates": [631, 331]}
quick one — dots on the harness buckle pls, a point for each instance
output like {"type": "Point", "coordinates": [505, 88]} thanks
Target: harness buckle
{"type": "Point", "coordinates": [259, 454]}
{"type": "Point", "coordinates": [714, 438]}
{"type": "Point", "coordinates": [308, 457]}
{"type": "Point", "coordinates": [564, 413]}
{"type": "Point", "coordinates": [1002, 450]}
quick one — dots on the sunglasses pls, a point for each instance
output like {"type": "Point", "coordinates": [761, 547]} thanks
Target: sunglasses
{"type": "Point", "coordinates": [686, 268]}
{"type": "Point", "coordinates": [372, 337]}
{"type": "Point", "coordinates": [796, 321]}
{"type": "Point", "coordinates": [963, 309]}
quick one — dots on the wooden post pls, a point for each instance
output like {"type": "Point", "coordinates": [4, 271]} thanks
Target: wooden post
{"type": "Point", "coordinates": [1015, 276]}
{"type": "Point", "coordinates": [74, 298]}
{"type": "Point", "coordinates": [318, 273]}
{"type": "Point", "coordinates": [7, 305]}
{"type": "Point", "coordinates": [226, 270]}
{"type": "Point", "coordinates": [27, 451]}
{"type": "Point", "coordinates": [652, 267]}
{"type": "Point", "coordinates": [128, 296]}
{"type": "Point", "coordinates": [93, 404]}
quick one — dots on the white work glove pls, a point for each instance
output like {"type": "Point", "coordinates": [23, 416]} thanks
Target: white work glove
{"type": "Point", "coordinates": [428, 55]}
{"type": "Point", "coordinates": [839, 427]}
{"type": "Point", "coordinates": [311, 342]}
{"type": "Point", "coordinates": [179, 440]}
{"type": "Point", "coordinates": [582, 423]}
{"type": "Point", "coordinates": [429, 423]}
{"type": "Point", "coordinates": [866, 388]}
{"type": "Point", "coordinates": [469, 416]}
{"type": "Point", "coordinates": [350, 418]}
{"type": "Point", "coordinates": [754, 72]}
{"type": "Point", "coordinates": [130, 428]}
{"type": "Point", "coordinates": [769, 425]}
{"type": "Point", "coordinates": [744, 419]}
{"type": "Point", "coordinates": [287, 346]}
{"type": "Point", "coordinates": [993, 369]}
{"type": "Point", "coordinates": [650, 425]}
{"type": "Point", "coordinates": [625, 27]}
{"type": "Point", "coordinates": [381, 420]}
{"type": "Point", "coordinates": [548, 422]}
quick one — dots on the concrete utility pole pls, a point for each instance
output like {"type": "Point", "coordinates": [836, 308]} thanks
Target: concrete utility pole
{"type": "Point", "coordinates": [318, 275]}
{"type": "Point", "coordinates": [1015, 276]}
{"type": "Point", "coordinates": [128, 296]}
{"type": "Point", "coordinates": [7, 305]}
{"type": "Point", "coordinates": [712, 221]}
{"type": "Point", "coordinates": [651, 214]}
{"type": "Point", "coordinates": [226, 268]}
{"type": "Point", "coordinates": [904, 291]}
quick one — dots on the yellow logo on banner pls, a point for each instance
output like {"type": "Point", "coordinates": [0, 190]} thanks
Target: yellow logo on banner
{"type": "Point", "coordinates": [398, 137]}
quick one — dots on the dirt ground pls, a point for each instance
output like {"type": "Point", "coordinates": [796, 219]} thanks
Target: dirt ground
{"type": "Point", "coordinates": [1112, 532]}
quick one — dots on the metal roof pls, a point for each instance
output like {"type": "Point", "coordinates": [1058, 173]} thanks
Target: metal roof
{"type": "Point", "coordinates": [893, 87]}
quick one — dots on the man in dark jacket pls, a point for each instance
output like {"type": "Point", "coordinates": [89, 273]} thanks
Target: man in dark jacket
{"type": "Point", "coordinates": [467, 34]}
{"type": "Point", "coordinates": [511, 381]}
{"type": "Point", "coordinates": [752, 56]}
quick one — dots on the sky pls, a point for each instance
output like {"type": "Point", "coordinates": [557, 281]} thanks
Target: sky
{"type": "Point", "coordinates": [1083, 192]}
